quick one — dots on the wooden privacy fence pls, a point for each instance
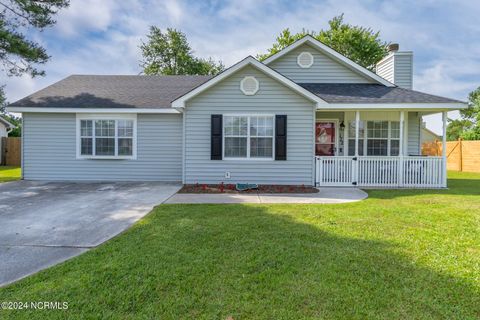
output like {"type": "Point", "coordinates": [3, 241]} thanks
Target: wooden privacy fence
{"type": "Point", "coordinates": [11, 151]}
{"type": "Point", "coordinates": [462, 155]}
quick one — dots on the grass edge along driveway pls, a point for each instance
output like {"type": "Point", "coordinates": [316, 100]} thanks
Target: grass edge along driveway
{"type": "Point", "coordinates": [400, 254]}
{"type": "Point", "coordinates": [8, 173]}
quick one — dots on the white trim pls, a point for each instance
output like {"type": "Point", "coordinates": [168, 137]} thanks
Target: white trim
{"type": "Point", "coordinates": [248, 115]}
{"type": "Point", "coordinates": [332, 54]}
{"type": "Point", "coordinates": [322, 105]}
{"type": "Point", "coordinates": [305, 66]}
{"type": "Point", "coordinates": [179, 103]}
{"type": "Point", "coordinates": [104, 116]}
{"type": "Point", "coordinates": [393, 106]}
{"type": "Point", "coordinates": [337, 134]}
{"type": "Point", "coordinates": [242, 85]}
{"type": "Point", "coordinates": [92, 110]}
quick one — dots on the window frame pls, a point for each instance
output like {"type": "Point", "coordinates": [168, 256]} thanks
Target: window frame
{"type": "Point", "coordinates": [248, 158]}
{"type": "Point", "coordinates": [365, 138]}
{"type": "Point", "coordinates": [114, 117]}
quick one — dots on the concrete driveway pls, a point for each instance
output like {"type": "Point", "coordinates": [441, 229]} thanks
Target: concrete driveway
{"type": "Point", "coordinates": [44, 223]}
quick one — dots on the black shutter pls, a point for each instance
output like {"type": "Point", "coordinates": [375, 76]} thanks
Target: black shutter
{"type": "Point", "coordinates": [216, 137]}
{"type": "Point", "coordinates": [280, 137]}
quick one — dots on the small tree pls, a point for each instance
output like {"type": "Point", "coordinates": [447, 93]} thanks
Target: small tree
{"type": "Point", "coordinates": [361, 45]}
{"type": "Point", "coordinates": [170, 54]}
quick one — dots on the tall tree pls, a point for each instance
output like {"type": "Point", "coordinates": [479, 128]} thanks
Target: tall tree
{"type": "Point", "coordinates": [18, 54]}
{"type": "Point", "coordinates": [467, 128]}
{"type": "Point", "coordinates": [457, 128]}
{"type": "Point", "coordinates": [169, 53]}
{"type": "Point", "coordinates": [361, 45]}
{"type": "Point", "coordinates": [472, 113]}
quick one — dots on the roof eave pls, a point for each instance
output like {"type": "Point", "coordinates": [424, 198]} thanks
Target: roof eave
{"type": "Point", "coordinates": [90, 110]}
{"type": "Point", "coordinates": [444, 106]}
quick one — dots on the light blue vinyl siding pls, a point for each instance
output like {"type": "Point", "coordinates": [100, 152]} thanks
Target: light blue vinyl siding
{"type": "Point", "coordinates": [323, 70]}
{"type": "Point", "coordinates": [50, 150]}
{"type": "Point", "coordinates": [414, 121]}
{"type": "Point", "coordinates": [272, 98]}
{"type": "Point", "coordinates": [386, 68]}
{"type": "Point", "coordinates": [404, 70]}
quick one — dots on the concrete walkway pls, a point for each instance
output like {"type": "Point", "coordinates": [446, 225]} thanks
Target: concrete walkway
{"type": "Point", "coordinates": [326, 195]}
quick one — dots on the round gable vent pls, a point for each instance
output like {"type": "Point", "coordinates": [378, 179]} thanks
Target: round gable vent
{"type": "Point", "coordinates": [305, 60]}
{"type": "Point", "coordinates": [249, 85]}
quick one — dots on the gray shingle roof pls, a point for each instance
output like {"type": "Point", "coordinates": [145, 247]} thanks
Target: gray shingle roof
{"type": "Point", "coordinates": [102, 91]}
{"type": "Point", "coordinates": [370, 93]}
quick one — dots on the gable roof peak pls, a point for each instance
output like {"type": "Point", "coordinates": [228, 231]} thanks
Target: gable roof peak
{"type": "Point", "coordinates": [179, 103]}
{"type": "Point", "coordinates": [331, 53]}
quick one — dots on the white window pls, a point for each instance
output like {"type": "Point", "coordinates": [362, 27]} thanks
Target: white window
{"type": "Point", "coordinates": [106, 138]}
{"type": "Point", "coordinates": [381, 138]}
{"type": "Point", "coordinates": [248, 137]}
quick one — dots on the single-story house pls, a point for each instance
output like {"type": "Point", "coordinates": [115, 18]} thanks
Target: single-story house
{"type": "Point", "coordinates": [306, 115]}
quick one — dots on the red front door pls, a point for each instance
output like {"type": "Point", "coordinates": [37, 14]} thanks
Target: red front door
{"type": "Point", "coordinates": [325, 138]}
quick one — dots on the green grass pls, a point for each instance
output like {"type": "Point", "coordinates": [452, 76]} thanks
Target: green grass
{"type": "Point", "coordinates": [10, 173]}
{"type": "Point", "coordinates": [401, 254]}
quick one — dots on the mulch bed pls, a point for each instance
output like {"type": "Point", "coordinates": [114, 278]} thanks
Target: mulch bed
{"type": "Point", "coordinates": [230, 188]}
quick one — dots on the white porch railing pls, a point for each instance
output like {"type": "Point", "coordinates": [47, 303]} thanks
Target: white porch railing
{"type": "Point", "coordinates": [381, 172]}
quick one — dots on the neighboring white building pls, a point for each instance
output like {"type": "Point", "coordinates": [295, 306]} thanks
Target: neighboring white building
{"type": "Point", "coordinates": [428, 136]}
{"type": "Point", "coordinates": [5, 127]}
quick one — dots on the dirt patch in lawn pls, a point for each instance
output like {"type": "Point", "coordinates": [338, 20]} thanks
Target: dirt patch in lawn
{"type": "Point", "coordinates": [231, 188]}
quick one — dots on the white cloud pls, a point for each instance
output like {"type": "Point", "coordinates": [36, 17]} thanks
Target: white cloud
{"type": "Point", "coordinates": [85, 16]}
{"type": "Point", "coordinates": [174, 10]}
{"type": "Point", "coordinates": [445, 78]}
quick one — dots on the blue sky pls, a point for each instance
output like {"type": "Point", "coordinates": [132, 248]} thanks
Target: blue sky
{"type": "Point", "coordinates": [102, 36]}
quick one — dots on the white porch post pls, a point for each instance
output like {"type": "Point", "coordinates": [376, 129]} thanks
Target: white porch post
{"type": "Point", "coordinates": [444, 149]}
{"type": "Point", "coordinates": [357, 131]}
{"type": "Point", "coordinates": [400, 150]}
{"type": "Point", "coordinates": [402, 138]}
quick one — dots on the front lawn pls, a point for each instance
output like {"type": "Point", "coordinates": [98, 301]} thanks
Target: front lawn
{"type": "Point", "coordinates": [10, 173]}
{"type": "Point", "coordinates": [398, 255]}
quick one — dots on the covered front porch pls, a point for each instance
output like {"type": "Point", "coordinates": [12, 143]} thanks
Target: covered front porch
{"type": "Point", "coordinates": [376, 148]}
